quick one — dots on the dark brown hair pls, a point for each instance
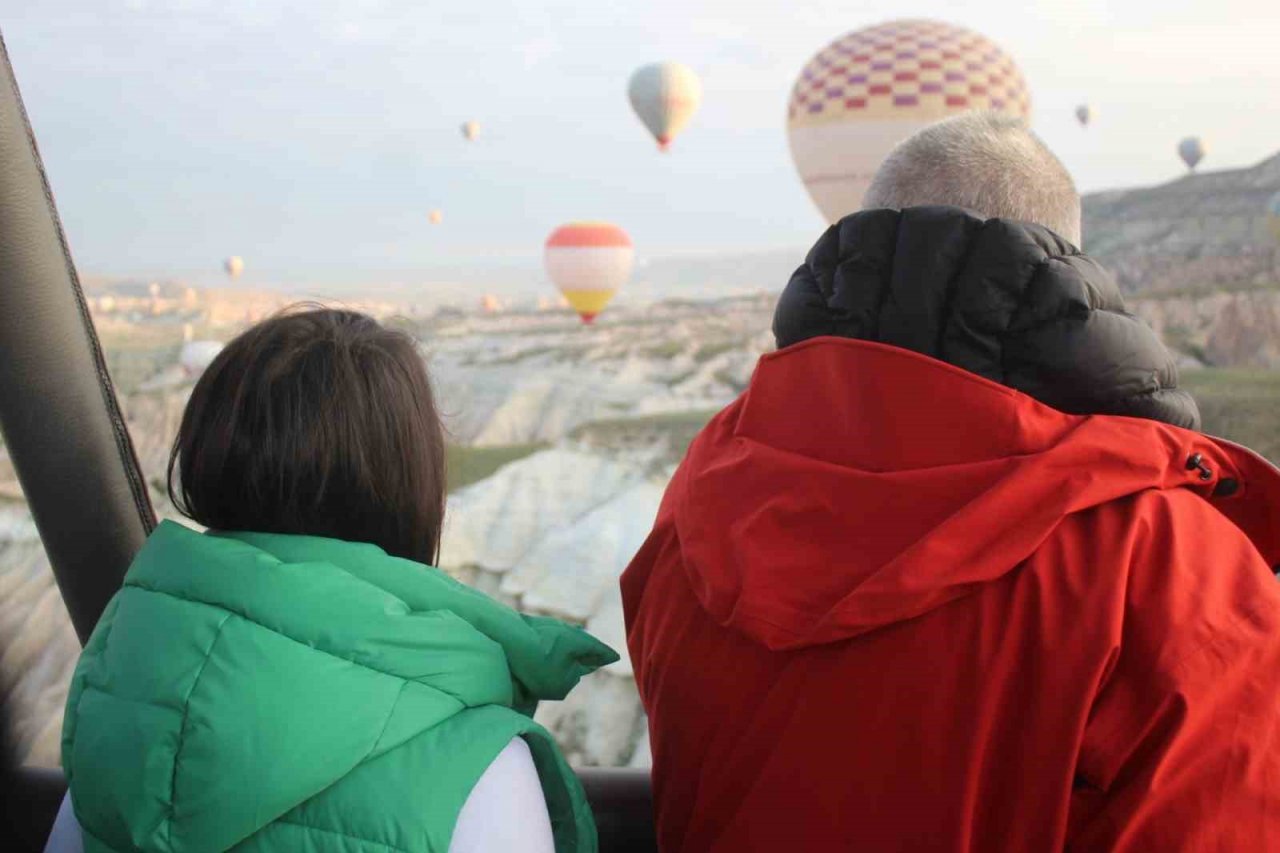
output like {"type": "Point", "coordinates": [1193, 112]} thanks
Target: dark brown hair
{"type": "Point", "coordinates": [319, 422]}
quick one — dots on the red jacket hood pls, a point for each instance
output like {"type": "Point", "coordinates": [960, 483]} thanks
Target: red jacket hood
{"type": "Point", "coordinates": [855, 485]}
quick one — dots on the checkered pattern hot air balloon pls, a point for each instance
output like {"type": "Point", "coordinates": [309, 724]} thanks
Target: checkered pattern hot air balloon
{"type": "Point", "coordinates": [865, 92]}
{"type": "Point", "coordinates": [588, 262]}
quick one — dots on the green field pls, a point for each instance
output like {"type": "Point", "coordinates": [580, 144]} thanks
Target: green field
{"type": "Point", "coordinates": [467, 465]}
{"type": "Point", "coordinates": [674, 429]}
{"type": "Point", "coordinates": [1240, 405]}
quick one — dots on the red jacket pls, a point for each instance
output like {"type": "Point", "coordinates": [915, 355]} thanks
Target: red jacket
{"type": "Point", "coordinates": [890, 605]}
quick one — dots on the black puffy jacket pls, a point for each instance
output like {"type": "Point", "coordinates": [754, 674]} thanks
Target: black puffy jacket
{"type": "Point", "coordinates": [1009, 301]}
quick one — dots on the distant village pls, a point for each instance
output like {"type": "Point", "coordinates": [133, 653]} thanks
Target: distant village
{"type": "Point", "coordinates": [134, 302]}
{"type": "Point", "coordinates": [119, 305]}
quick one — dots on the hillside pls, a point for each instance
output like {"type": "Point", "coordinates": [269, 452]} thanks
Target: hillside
{"type": "Point", "coordinates": [1200, 233]}
{"type": "Point", "coordinates": [1197, 261]}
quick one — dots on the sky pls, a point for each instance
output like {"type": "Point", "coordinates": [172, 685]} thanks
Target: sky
{"type": "Point", "coordinates": [313, 137]}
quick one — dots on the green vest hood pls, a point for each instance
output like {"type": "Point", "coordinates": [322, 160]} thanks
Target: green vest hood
{"type": "Point", "coordinates": [238, 680]}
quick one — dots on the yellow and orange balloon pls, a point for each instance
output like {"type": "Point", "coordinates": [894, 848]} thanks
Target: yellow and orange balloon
{"type": "Point", "coordinates": [588, 262]}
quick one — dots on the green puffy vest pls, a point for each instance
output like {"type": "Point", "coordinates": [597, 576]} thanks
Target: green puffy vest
{"type": "Point", "coordinates": [263, 692]}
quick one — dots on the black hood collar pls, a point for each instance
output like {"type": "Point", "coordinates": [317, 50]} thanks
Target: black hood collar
{"type": "Point", "coordinates": [1010, 301]}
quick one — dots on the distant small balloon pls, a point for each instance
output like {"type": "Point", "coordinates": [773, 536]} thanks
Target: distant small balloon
{"type": "Point", "coordinates": [1084, 114]}
{"type": "Point", "coordinates": [470, 130]}
{"type": "Point", "coordinates": [234, 266]}
{"type": "Point", "coordinates": [435, 217]}
{"type": "Point", "coordinates": [1192, 151]}
{"type": "Point", "coordinates": [665, 95]}
{"type": "Point", "coordinates": [490, 304]}
{"type": "Point", "coordinates": [196, 356]}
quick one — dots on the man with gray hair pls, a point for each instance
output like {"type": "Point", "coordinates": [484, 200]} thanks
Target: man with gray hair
{"type": "Point", "coordinates": [957, 572]}
{"type": "Point", "coordinates": [987, 163]}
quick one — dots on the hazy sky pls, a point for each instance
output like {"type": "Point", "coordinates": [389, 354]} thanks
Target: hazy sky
{"type": "Point", "coordinates": [312, 137]}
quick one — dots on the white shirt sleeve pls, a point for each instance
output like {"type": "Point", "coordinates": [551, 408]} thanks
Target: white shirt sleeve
{"type": "Point", "coordinates": [506, 810]}
{"type": "Point", "coordinates": [65, 837]}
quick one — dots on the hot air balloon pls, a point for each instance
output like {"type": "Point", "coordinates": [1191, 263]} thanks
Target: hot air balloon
{"type": "Point", "coordinates": [1192, 151]}
{"type": "Point", "coordinates": [588, 262]}
{"type": "Point", "coordinates": [234, 266]}
{"type": "Point", "coordinates": [1273, 215]}
{"type": "Point", "coordinates": [1084, 114]}
{"type": "Point", "coordinates": [867, 91]}
{"type": "Point", "coordinates": [470, 130]}
{"type": "Point", "coordinates": [665, 95]}
{"type": "Point", "coordinates": [198, 355]}
{"type": "Point", "coordinates": [435, 217]}
{"type": "Point", "coordinates": [490, 304]}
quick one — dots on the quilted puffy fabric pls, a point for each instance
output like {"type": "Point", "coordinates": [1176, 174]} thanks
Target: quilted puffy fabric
{"type": "Point", "coordinates": [1010, 301]}
{"type": "Point", "coordinates": [271, 692]}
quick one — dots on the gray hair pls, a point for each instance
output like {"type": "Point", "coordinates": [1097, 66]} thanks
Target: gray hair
{"type": "Point", "coordinates": [989, 163]}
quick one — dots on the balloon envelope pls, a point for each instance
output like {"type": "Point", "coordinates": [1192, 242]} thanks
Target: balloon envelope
{"type": "Point", "coordinates": [234, 266]}
{"type": "Point", "coordinates": [1084, 114]}
{"type": "Point", "coordinates": [665, 95]}
{"type": "Point", "coordinates": [435, 217]}
{"type": "Point", "coordinates": [198, 355]}
{"type": "Point", "coordinates": [588, 262]}
{"type": "Point", "coordinates": [867, 91]}
{"type": "Point", "coordinates": [1192, 151]}
{"type": "Point", "coordinates": [470, 130]}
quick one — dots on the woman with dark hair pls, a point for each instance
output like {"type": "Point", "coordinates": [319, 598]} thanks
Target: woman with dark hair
{"type": "Point", "coordinates": [298, 676]}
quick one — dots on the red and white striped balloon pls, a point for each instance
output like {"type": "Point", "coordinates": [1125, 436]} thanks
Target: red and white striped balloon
{"type": "Point", "coordinates": [588, 262]}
